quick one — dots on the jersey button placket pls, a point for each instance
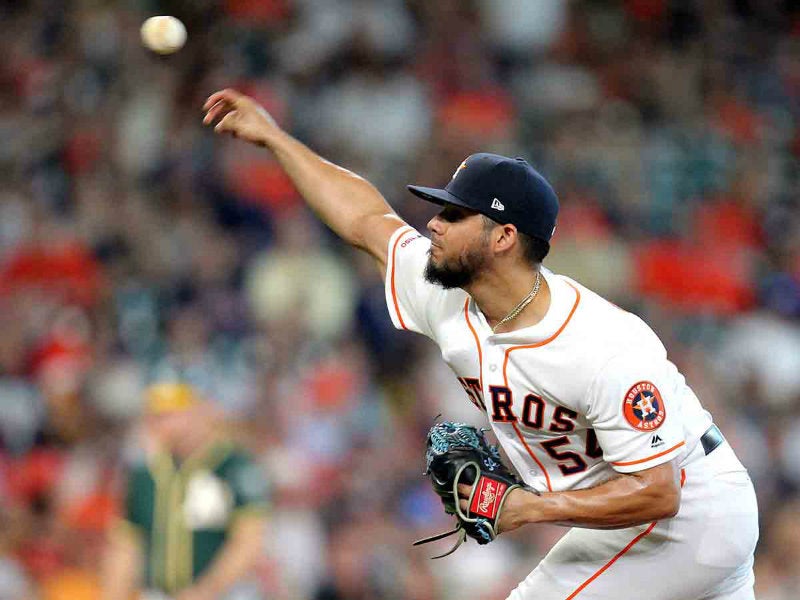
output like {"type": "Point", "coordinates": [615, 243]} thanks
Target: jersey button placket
{"type": "Point", "coordinates": [492, 375]}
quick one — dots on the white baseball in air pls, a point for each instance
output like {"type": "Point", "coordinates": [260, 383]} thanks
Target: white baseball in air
{"type": "Point", "coordinates": [163, 34]}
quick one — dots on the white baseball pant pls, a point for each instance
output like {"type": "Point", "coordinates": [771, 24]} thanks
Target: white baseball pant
{"type": "Point", "coordinates": [705, 552]}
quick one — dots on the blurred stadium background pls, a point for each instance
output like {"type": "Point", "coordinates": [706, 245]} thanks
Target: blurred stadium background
{"type": "Point", "coordinates": [135, 246]}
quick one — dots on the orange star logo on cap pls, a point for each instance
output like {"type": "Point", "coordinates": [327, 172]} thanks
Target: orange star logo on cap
{"type": "Point", "coordinates": [463, 165]}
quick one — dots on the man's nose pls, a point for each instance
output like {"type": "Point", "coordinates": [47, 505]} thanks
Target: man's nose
{"type": "Point", "coordinates": [435, 225]}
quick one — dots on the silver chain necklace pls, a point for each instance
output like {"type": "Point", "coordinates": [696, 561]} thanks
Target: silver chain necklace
{"type": "Point", "coordinates": [521, 306]}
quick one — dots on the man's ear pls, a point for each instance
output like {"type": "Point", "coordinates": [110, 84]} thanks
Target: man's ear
{"type": "Point", "coordinates": [504, 237]}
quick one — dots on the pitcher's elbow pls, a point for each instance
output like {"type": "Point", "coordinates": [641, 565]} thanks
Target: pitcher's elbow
{"type": "Point", "coordinates": [670, 504]}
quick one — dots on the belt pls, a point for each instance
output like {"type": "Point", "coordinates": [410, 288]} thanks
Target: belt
{"type": "Point", "coordinates": [711, 439]}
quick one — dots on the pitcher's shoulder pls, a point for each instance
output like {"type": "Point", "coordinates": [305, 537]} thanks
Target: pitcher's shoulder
{"type": "Point", "coordinates": [601, 323]}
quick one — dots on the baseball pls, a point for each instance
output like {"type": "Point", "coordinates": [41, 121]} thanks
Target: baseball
{"type": "Point", "coordinates": [163, 34]}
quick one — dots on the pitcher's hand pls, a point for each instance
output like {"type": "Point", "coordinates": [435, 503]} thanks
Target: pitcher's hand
{"type": "Point", "coordinates": [519, 508]}
{"type": "Point", "coordinates": [240, 116]}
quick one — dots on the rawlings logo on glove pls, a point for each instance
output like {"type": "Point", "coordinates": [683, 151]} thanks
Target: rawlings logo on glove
{"type": "Point", "coordinates": [484, 502]}
{"type": "Point", "coordinates": [459, 454]}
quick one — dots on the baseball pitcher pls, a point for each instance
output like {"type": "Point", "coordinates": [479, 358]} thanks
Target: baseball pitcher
{"type": "Point", "coordinates": [603, 432]}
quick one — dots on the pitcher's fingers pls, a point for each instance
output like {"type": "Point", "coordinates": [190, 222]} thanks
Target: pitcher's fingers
{"type": "Point", "coordinates": [226, 124]}
{"type": "Point", "coordinates": [464, 504]}
{"type": "Point", "coordinates": [220, 109]}
{"type": "Point", "coordinates": [464, 490]}
{"type": "Point", "coordinates": [227, 94]}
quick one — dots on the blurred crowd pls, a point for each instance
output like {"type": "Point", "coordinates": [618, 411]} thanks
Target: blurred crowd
{"type": "Point", "coordinates": [137, 247]}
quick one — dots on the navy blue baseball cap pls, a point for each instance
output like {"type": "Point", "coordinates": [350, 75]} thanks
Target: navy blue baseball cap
{"type": "Point", "coordinates": [507, 190]}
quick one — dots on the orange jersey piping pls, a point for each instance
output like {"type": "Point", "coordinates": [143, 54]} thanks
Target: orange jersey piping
{"type": "Point", "coordinates": [505, 379]}
{"type": "Point", "coordinates": [643, 460]}
{"type": "Point", "coordinates": [634, 541]}
{"type": "Point", "coordinates": [551, 338]}
{"type": "Point", "coordinates": [514, 425]}
{"type": "Point", "coordinates": [533, 456]}
{"type": "Point", "coordinates": [394, 289]}
{"type": "Point", "coordinates": [477, 343]}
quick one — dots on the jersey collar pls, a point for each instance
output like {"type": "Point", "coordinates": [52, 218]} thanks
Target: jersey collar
{"type": "Point", "coordinates": [562, 299]}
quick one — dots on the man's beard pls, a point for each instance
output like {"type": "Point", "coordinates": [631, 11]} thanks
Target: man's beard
{"type": "Point", "coordinates": [461, 275]}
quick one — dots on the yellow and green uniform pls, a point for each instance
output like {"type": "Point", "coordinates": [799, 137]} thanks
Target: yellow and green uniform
{"type": "Point", "coordinates": [185, 512]}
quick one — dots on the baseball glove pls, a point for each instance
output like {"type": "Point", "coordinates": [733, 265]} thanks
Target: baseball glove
{"type": "Point", "coordinates": [460, 454]}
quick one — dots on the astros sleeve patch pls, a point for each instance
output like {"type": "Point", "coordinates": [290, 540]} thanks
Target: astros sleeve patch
{"type": "Point", "coordinates": [643, 407]}
{"type": "Point", "coordinates": [635, 411]}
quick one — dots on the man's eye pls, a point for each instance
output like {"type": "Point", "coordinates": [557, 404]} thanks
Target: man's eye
{"type": "Point", "coordinates": [452, 215]}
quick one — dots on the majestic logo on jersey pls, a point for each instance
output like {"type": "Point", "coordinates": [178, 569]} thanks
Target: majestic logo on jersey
{"type": "Point", "coordinates": [643, 407]}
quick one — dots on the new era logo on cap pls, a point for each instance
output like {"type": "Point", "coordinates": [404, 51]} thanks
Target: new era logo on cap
{"type": "Point", "coordinates": [497, 205]}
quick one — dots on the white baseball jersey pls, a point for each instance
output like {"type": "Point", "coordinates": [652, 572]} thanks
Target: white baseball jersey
{"type": "Point", "coordinates": [585, 392]}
